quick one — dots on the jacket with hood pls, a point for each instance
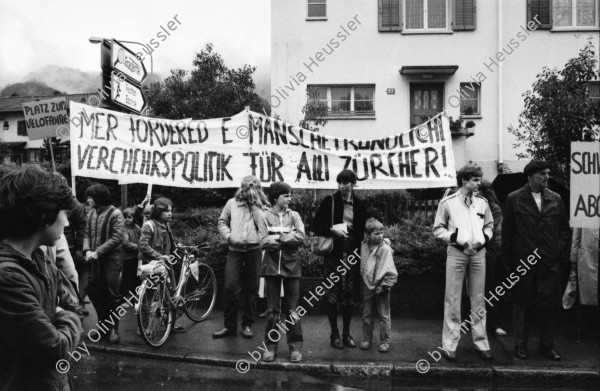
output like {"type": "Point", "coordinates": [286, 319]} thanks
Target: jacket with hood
{"type": "Point", "coordinates": [281, 235]}
{"type": "Point", "coordinates": [109, 249]}
{"type": "Point", "coordinates": [33, 335]}
{"type": "Point", "coordinates": [377, 267]}
{"type": "Point", "coordinates": [238, 220]}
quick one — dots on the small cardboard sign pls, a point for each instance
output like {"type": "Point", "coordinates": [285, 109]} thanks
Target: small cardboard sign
{"type": "Point", "coordinates": [585, 185]}
{"type": "Point", "coordinates": [45, 117]}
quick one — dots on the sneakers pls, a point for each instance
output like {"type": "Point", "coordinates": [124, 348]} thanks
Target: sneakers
{"type": "Point", "coordinates": [365, 345]}
{"type": "Point", "coordinates": [500, 332]}
{"type": "Point", "coordinates": [296, 356]}
{"type": "Point", "coordinates": [384, 347]}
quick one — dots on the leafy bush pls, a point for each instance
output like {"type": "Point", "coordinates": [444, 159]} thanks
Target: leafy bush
{"type": "Point", "coordinates": [416, 250]}
{"type": "Point", "coordinates": [199, 226]}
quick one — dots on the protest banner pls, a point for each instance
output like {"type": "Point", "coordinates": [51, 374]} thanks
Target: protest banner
{"type": "Point", "coordinates": [217, 153]}
{"type": "Point", "coordinates": [585, 185]}
{"type": "Point", "coordinates": [44, 117]}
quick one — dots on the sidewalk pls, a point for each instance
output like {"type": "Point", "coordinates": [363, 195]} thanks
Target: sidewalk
{"type": "Point", "coordinates": [412, 340]}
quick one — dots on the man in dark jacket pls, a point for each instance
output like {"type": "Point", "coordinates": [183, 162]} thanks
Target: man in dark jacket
{"type": "Point", "coordinates": [37, 328]}
{"type": "Point", "coordinates": [102, 247]}
{"type": "Point", "coordinates": [535, 234]}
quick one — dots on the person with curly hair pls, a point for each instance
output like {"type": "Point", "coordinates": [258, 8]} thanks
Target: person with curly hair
{"type": "Point", "coordinates": [238, 224]}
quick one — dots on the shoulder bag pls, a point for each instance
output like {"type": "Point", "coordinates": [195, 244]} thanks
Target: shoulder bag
{"type": "Point", "coordinates": [323, 245]}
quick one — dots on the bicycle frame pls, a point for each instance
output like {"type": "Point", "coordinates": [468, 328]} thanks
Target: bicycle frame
{"type": "Point", "coordinates": [176, 301]}
{"type": "Point", "coordinates": [185, 269]}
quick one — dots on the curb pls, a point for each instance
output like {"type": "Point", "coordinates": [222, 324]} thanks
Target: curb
{"type": "Point", "coordinates": [370, 369]}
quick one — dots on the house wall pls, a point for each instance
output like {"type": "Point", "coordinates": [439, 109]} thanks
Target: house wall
{"type": "Point", "coordinates": [10, 135]}
{"type": "Point", "coordinates": [368, 56]}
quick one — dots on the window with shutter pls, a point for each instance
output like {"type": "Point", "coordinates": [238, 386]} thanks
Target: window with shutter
{"type": "Point", "coordinates": [538, 12]}
{"type": "Point", "coordinates": [574, 14]}
{"type": "Point", "coordinates": [464, 15]}
{"type": "Point", "coordinates": [564, 15]}
{"type": "Point", "coordinates": [390, 18]}
{"type": "Point", "coordinates": [21, 128]}
{"type": "Point", "coordinates": [427, 15]}
{"type": "Point", "coordinates": [317, 9]}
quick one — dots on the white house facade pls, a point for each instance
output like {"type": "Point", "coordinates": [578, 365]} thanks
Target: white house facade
{"type": "Point", "coordinates": [384, 66]}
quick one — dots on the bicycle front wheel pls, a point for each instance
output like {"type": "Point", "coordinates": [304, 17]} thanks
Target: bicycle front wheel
{"type": "Point", "coordinates": [155, 317]}
{"type": "Point", "coordinates": [199, 296]}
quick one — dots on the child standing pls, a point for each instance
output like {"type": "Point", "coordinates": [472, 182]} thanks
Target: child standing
{"type": "Point", "coordinates": [131, 236]}
{"type": "Point", "coordinates": [378, 275]}
{"type": "Point", "coordinates": [281, 233]}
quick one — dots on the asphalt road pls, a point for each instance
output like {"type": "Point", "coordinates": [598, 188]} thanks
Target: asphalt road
{"type": "Point", "coordinates": [104, 371]}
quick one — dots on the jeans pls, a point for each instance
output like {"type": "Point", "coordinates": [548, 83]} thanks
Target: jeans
{"type": "Point", "coordinates": [457, 266]}
{"type": "Point", "coordinates": [240, 264]}
{"type": "Point", "coordinates": [380, 305]}
{"type": "Point", "coordinates": [290, 321]}
{"type": "Point", "coordinates": [494, 274]}
{"type": "Point", "coordinates": [110, 277]}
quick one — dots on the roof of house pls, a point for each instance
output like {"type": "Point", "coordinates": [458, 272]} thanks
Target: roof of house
{"type": "Point", "coordinates": [14, 103]}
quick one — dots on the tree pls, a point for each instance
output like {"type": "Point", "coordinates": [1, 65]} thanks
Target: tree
{"type": "Point", "coordinates": [314, 111]}
{"type": "Point", "coordinates": [210, 90]}
{"type": "Point", "coordinates": [558, 111]}
{"type": "Point", "coordinates": [61, 150]}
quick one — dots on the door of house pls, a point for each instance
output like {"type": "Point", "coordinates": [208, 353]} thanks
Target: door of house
{"type": "Point", "coordinates": [426, 100]}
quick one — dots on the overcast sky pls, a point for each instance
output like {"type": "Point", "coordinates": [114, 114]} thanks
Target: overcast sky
{"type": "Point", "coordinates": [34, 34]}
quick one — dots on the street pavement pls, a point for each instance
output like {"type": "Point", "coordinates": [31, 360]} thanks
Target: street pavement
{"type": "Point", "coordinates": [412, 340]}
{"type": "Point", "coordinates": [107, 371]}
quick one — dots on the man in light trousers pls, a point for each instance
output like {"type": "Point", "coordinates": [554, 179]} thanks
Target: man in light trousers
{"type": "Point", "coordinates": [464, 221]}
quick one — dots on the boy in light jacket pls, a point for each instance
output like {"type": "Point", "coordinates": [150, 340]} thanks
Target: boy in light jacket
{"type": "Point", "coordinates": [379, 275]}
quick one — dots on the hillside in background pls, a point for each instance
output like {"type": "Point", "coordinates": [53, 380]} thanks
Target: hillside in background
{"type": "Point", "coordinates": [27, 89]}
{"type": "Point", "coordinates": [51, 78]}
{"type": "Point", "coordinates": [69, 80]}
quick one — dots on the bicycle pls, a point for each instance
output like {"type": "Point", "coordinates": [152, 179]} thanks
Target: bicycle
{"type": "Point", "coordinates": [158, 307]}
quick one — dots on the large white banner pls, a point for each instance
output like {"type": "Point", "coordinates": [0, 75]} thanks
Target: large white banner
{"type": "Point", "coordinates": [585, 185]}
{"type": "Point", "coordinates": [219, 152]}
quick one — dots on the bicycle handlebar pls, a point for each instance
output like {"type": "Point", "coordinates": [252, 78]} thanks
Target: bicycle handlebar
{"type": "Point", "coordinates": [189, 249]}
